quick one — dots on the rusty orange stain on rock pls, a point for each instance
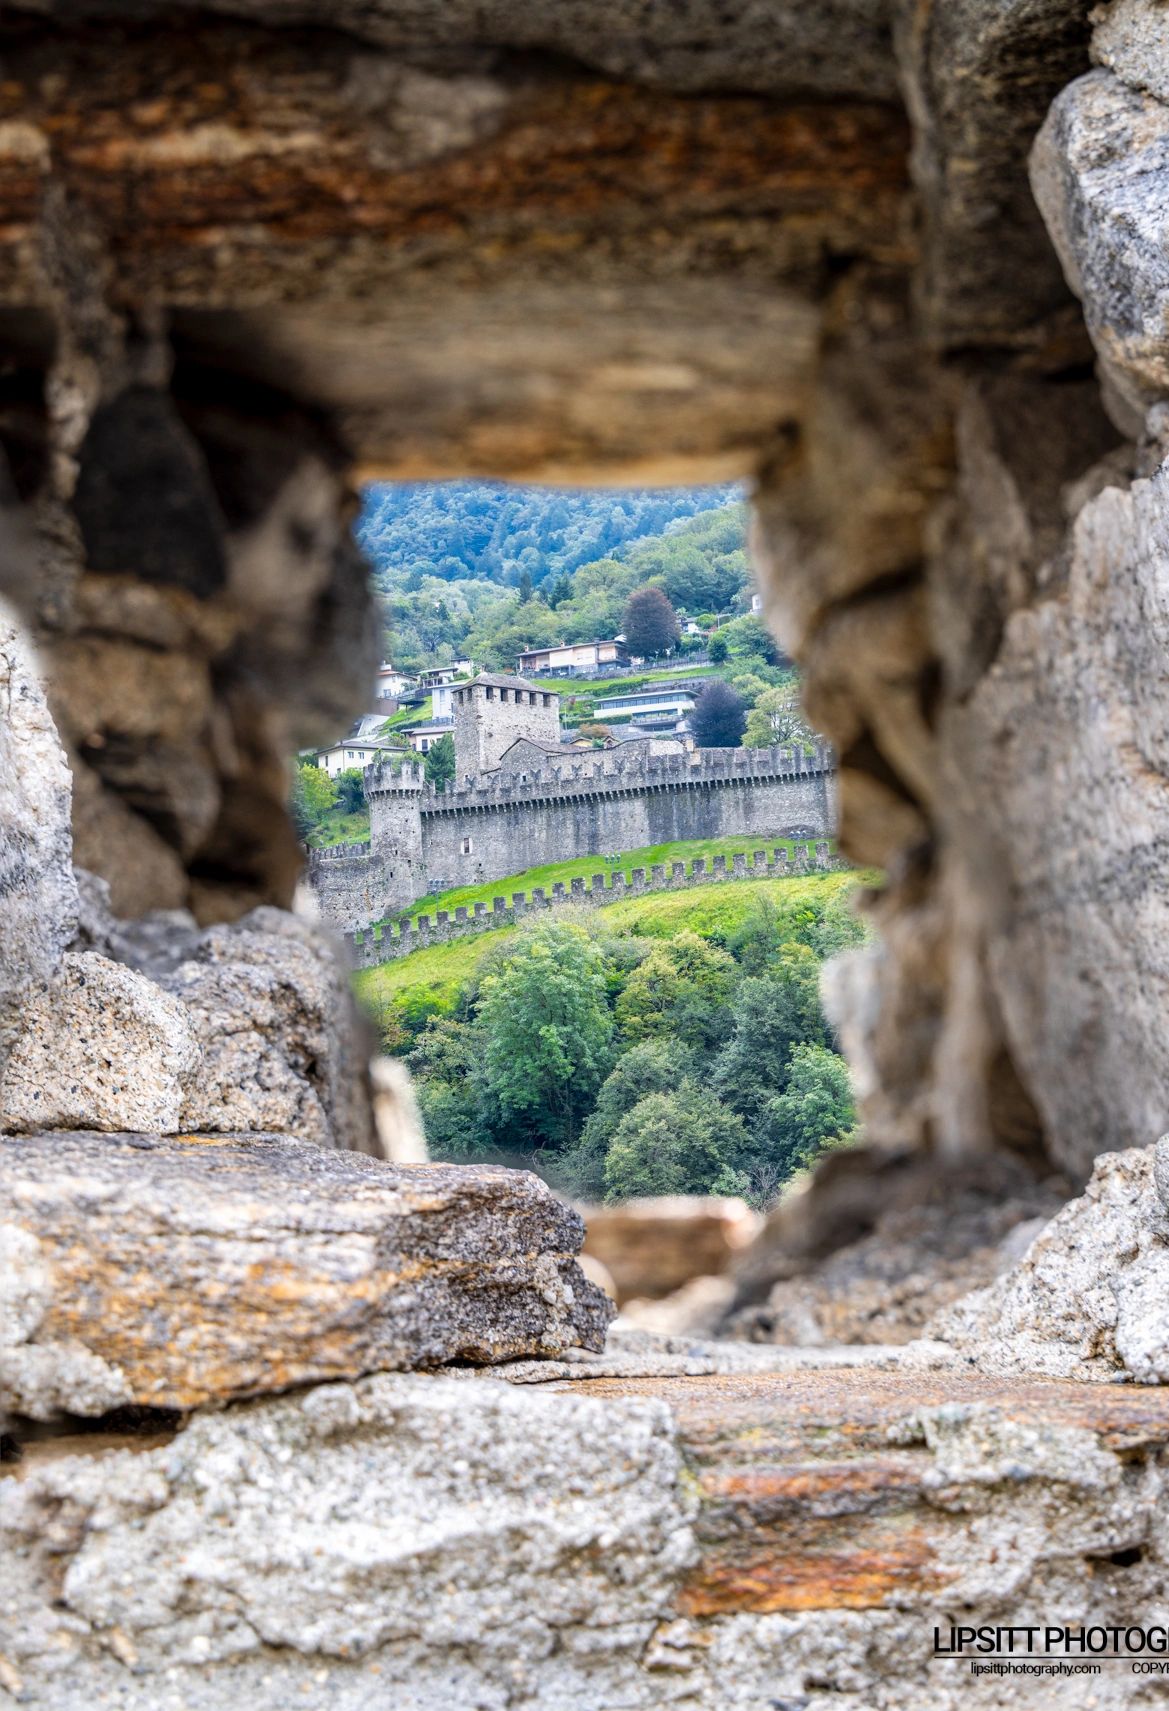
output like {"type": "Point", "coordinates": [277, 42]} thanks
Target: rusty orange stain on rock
{"type": "Point", "coordinates": [854, 1578]}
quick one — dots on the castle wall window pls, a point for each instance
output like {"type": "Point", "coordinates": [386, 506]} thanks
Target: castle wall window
{"type": "Point", "coordinates": [465, 847]}
{"type": "Point", "coordinates": [490, 694]}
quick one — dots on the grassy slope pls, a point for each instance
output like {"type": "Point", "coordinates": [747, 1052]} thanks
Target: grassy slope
{"type": "Point", "coordinates": [583, 867]}
{"type": "Point", "coordinates": [338, 827]}
{"type": "Point", "coordinates": [441, 969]}
{"type": "Point", "coordinates": [631, 680]}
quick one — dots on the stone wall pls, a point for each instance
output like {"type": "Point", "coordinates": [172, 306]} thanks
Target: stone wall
{"type": "Point", "coordinates": [496, 824]}
{"type": "Point", "coordinates": [381, 943]}
{"type": "Point", "coordinates": [490, 717]}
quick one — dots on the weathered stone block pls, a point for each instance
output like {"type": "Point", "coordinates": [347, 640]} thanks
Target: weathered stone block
{"type": "Point", "coordinates": [640, 1541]}
{"type": "Point", "coordinates": [1087, 1299]}
{"type": "Point", "coordinates": [102, 1047]}
{"type": "Point", "coordinates": [198, 1269]}
{"type": "Point", "coordinates": [1097, 171]}
{"type": "Point", "coordinates": [38, 895]}
{"type": "Point", "coordinates": [284, 1049]}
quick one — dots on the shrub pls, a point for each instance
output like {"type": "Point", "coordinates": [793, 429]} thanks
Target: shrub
{"type": "Point", "coordinates": [685, 1142]}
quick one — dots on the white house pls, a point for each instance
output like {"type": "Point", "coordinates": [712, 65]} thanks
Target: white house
{"type": "Point", "coordinates": [574, 656]}
{"type": "Point", "coordinates": [353, 751]}
{"type": "Point", "coordinates": [422, 738]}
{"type": "Point", "coordinates": [441, 674]}
{"type": "Point", "coordinates": [654, 702]}
{"type": "Point", "coordinates": [390, 682]}
{"type": "Point", "coordinates": [442, 705]}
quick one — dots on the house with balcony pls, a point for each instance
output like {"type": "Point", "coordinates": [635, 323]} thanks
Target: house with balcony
{"type": "Point", "coordinates": [570, 658]}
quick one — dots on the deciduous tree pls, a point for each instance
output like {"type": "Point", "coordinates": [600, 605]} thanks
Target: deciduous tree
{"type": "Point", "coordinates": [312, 797]}
{"type": "Point", "coordinates": [684, 1142]}
{"type": "Point", "coordinates": [546, 1029]}
{"type": "Point", "coordinates": [650, 623]}
{"type": "Point", "coordinates": [719, 717]}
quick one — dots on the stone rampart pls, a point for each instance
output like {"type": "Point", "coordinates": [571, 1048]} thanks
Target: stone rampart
{"type": "Point", "coordinates": [594, 803]}
{"type": "Point", "coordinates": [388, 941]}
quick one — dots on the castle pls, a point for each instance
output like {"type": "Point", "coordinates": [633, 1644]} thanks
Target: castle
{"type": "Point", "coordinates": [520, 799]}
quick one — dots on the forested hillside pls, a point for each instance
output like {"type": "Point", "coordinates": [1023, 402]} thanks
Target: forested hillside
{"type": "Point", "coordinates": [663, 1045]}
{"type": "Point", "coordinates": [470, 568]}
{"type": "Point", "coordinates": [493, 532]}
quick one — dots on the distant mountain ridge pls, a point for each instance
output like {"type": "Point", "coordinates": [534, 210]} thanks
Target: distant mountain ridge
{"type": "Point", "coordinates": [494, 532]}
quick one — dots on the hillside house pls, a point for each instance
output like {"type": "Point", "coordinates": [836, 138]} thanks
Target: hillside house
{"type": "Point", "coordinates": [354, 750]}
{"type": "Point", "coordinates": [655, 703]}
{"type": "Point", "coordinates": [442, 674]}
{"type": "Point", "coordinates": [423, 737]}
{"type": "Point", "coordinates": [572, 657]}
{"type": "Point", "coordinates": [391, 683]}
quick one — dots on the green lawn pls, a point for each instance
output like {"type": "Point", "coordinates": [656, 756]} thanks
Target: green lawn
{"type": "Point", "coordinates": [567, 686]}
{"type": "Point", "coordinates": [437, 972]}
{"type": "Point", "coordinates": [432, 977]}
{"type": "Point", "coordinates": [583, 867]}
{"type": "Point", "coordinates": [337, 827]}
{"type": "Point", "coordinates": [407, 716]}
{"type": "Point", "coordinates": [720, 909]}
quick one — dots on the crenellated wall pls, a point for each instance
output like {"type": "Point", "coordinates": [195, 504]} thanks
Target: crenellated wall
{"type": "Point", "coordinates": [587, 804]}
{"type": "Point", "coordinates": [385, 944]}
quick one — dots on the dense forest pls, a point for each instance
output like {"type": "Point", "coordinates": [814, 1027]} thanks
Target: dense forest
{"type": "Point", "coordinates": [488, 531]}
{"type": "Point", "coordinates": [659, 1061]}
{"type": "Point", "coordinates": [486, 571]}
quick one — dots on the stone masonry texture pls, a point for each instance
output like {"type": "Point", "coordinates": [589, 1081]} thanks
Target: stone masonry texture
{"type": "Point", "coordinates": [736, 1540]}
{"type": "Point", "coordinates": [204, 1267]}
{"type": "Point", "coordinates": [498, 823]}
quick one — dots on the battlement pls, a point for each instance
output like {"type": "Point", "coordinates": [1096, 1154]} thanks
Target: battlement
{"type": "Point", "coordinates": [339, 852]}
{"type": "Point", "coordinates": [560, 805]}
{"type": "Point", "coordinates": [409, 780]}
{"type": "Point", "coordinates": [607, 772]}
{"type": "Point", "coordinates": [387, 941]}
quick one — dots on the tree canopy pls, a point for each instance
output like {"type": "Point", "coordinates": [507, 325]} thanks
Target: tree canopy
{"type": "Point", "coordinates": [618, 1064]}
{"type": "Point", "coordinates": [719, 717]}
{"type": "Point", "coordinates": [650, 623]}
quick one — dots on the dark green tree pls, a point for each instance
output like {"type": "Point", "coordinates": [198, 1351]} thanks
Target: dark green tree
{"type": "Point", "coordinates": [816, 1109]}
{"type": "Point", "coordinates": [447, 1066]}
{"type": "Point", "coordinates": [773, 1013]}
{"type": "Point", "coordinates": [525, 586]}
{"type": "Point", "coordinates": [654, 1066]}
{"type": "Point", "coordinates": [546, 1028]}
{"type": "Point", "coordinates": [719, 717]}
{"type": "Point", "coordinates": [718, 649]}
{"type": "Point", "coordinates": [650, 623]}
{"type": "Point", "coordinates": [439, 765]}
{"type": "Point", "coordinates": [351, 790]}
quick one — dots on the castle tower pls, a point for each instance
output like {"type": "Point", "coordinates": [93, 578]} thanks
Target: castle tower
{"type": "Point", "coordinates": [492, 712]}
{"type": "Point", "coordinates": [395, 831]}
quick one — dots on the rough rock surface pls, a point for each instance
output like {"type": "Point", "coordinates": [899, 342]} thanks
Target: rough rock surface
{"type": "Point", "coordinates": [284, 1049]}
{"type": "Point", "coordinates": [38, 897]}
{"type": "Point", "coordinates": [100, 1047]}
{"type": "Point", "coordinates": [1087, 1300]}
{"type": "Point", "coordinates": [740, 1541]}
{"type": "Point", "coordinates": [207, 1267]}
{"type": "Point", "coordinates": [880, 1246]}
{"type": "Point", "coordinates": [1096, 166]}
{"type": "Point", "coordinates": [652, 1246]}
{"type": "Point", "coordinates": [1066, 735]}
